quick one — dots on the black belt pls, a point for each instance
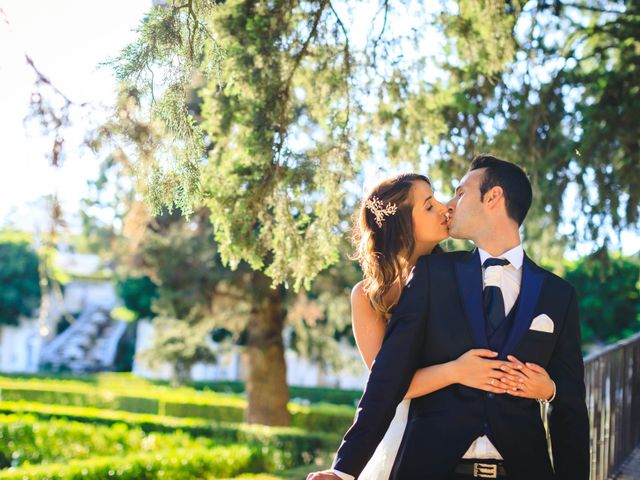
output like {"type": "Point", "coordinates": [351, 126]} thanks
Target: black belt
{"type": "Point", "coordinates": [481, 469]}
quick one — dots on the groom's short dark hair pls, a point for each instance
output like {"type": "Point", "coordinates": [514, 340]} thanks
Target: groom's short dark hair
{"type": "Point", "coordinates": [512, 179]}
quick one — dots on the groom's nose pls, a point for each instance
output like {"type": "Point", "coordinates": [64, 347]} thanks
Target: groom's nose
{"type": "Point", "coordinates": [451, 204]}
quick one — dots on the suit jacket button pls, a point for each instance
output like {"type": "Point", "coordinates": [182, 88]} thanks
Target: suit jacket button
{"type": "Point", "coordinates": [491, 395]}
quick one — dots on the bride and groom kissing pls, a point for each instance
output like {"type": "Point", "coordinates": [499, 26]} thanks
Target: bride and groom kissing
{"type": "Point", "coordinates": [463, 347]}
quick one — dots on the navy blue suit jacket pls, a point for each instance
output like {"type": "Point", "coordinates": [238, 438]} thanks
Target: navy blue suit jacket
{"type": "Point", "coordinates": [438, 318]}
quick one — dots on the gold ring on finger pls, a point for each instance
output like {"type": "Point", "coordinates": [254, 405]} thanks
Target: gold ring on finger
{"type": "Point", "coordinates": [492, 380]}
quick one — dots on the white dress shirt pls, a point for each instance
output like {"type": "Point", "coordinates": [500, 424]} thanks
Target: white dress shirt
{"type": "Point", "coordinates": [509, 279]}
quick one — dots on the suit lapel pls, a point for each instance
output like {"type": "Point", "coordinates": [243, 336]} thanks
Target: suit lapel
{"type": "Point", "coordinates": [469, 275]}
{"type": "Point", "coordinates": [530, 289]}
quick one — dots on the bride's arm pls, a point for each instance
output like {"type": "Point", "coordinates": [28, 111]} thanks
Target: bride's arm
{"type": "Point", "coordinates": [474, 368]}
{"type": "Point", "coordinates": [369, 330]}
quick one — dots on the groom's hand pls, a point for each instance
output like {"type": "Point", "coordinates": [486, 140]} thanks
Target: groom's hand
{"type": "Point", "coordinates": [533, 381]}
{"type": "Point", "coordinates": [323, 475]}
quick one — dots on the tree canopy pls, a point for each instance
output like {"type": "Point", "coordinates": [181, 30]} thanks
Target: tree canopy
{"type": "Point", "coordinates": [265, 112]}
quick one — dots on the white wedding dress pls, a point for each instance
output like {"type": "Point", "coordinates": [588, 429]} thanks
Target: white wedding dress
{"type": "Point", "coordinates": [381, 463]}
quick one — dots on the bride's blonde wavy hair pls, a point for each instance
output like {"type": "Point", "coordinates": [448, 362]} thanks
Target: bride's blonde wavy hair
{"type": "Point", "coordinates": [384, 251]}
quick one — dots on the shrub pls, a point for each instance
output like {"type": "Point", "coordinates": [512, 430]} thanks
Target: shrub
{"type": "Point", "coordinates": [179, 464]}
{"type": "Point", "coordinates": [321, 417]}
{"type": "Point", "coordinates": [20, 292]}
{"type": "Point", "coordinates": [296, 445]}
{"type": "Point", "coordinates": [183, 402]}
{"type": "Point", "coordinates": [26, 440]}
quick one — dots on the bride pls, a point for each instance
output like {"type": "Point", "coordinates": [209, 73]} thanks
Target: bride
{"type": "Point", "coordinates": [399, 221]}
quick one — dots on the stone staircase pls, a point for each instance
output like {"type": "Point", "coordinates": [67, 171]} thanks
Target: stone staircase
{"type": "Point", "coordinates": [88, 345]}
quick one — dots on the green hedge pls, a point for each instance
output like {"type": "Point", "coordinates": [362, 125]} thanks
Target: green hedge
{"type": "Point", "coordinates": [109, 379]}
{"type": "Point", "coordinates": [165, 401]}
{"type": "Point", "coordinates": [133, 397]}
{"type": "Point", "coordinates": [322, 417]}
{"type": "Point", "coordinates": [24, 439]}
{"type": "Point", "coordinates": [298, 446]}
{"type": "Point", "coordinates": [183, 464]}
{"type": "Point", "coordinates": [335, 396]}
{"type": "Point", "coordinates": [327, 395]}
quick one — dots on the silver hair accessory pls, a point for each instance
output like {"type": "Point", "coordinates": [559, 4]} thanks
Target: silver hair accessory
{"type": "Point", "coordinates": [379, 209]}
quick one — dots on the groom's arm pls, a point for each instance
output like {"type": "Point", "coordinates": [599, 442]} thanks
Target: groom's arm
{"type": "Point", "coordinates": [569, 419]}
{"type": "Point", "coordinates": [390, 375]}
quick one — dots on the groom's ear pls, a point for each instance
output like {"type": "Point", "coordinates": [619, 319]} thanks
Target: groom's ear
{"type": "Point", "coordinates": [494, 196]}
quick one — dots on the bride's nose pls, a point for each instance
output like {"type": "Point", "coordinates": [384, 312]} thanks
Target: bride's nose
{"type": "Point", "coordinates": [440, 207]}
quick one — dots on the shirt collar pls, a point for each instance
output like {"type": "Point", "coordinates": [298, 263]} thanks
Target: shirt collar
{"type": "Point", "coordinates": [515, 256]}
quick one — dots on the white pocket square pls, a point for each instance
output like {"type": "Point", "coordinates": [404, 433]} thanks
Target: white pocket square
{"type": "Point", "coordinates": [542, 323]}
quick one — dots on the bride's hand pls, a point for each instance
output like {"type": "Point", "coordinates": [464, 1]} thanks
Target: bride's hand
{"type": "Point", "coordinates": [533, 381]}
{"type": "Point", "coordinates": [475, 369]}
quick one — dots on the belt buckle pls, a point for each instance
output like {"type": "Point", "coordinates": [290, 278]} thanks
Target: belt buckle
{"type": "Point", "coordinates": [485, 470]}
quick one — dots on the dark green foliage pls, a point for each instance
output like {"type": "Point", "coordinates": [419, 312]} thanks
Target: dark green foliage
{"type": "Point", "coordinates": [138, 294]}
{"type": "Point", "coordinates": [183, 262]}
{"type": "Point", "coordinates": [608, 296]}
{"type": "Point", "coordinates": [19, 281]}
{"type": "Point", "coordinates": [126, 349]}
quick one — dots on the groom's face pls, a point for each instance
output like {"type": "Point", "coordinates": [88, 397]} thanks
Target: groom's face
{"type": "Point", "coordinates": [468, 211]}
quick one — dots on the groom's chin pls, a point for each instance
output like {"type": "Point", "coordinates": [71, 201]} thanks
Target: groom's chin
{"type": "Point", "coordinates": [455, 234]}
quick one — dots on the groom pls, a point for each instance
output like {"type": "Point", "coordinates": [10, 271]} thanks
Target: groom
{"type": "Point", "coordinates": [493, 297]}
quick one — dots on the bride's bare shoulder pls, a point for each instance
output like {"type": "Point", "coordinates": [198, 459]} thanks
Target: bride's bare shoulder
{"type": "Point", "coordinates": [359, 294]}
{"type": "Point", "coordinates": [359, 297]}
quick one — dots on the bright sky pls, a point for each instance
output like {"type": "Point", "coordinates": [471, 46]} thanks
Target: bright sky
{"type": "Point", "coordinates": [67, 39]}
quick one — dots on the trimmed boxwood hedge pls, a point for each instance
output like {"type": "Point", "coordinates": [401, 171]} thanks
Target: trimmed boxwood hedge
{"type": "Point", "coordinates": [164, 401]}
{"type": "Point", "coordinates": [131, 398]}
{"type": "Point", "coordinates": [25, 439]}
{"type": "Point", "coordinates": [181, 464]}
{"type": "Point", "coordinates": [335, 396]}
{"type": "Point", "coordinates": [297, 445]}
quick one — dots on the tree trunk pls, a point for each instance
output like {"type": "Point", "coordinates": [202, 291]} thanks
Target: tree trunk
{"type": "Point", "coordinates": [263, 356]}
{"type": "Point", "coordinates": [181, 374]}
